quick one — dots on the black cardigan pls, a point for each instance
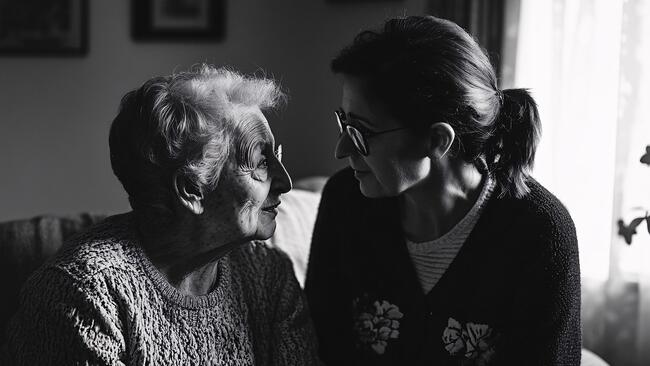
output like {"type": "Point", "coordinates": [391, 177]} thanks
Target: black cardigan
{"type": "Point", "coordinates": [517, 273]}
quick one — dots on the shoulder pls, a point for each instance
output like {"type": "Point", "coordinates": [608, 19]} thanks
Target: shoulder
{"type": "Point", "coordinates": [108, 245]}
{"type": "Point", "coordinates": [88, 262]}
{"type": "Point", "coordinates": [545, 213]}
{"type": "Point", "coordinates": [52, 295]}
{"type": "Point", "coordinates": [536, 212]}
{"type": "Point", "coordinates": [542, 222]}
{"type": "Point", "coordinates": [55, 302]}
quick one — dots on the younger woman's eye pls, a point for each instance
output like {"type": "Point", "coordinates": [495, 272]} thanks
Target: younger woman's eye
{"type": "Point", "coordinates": [360, 127]}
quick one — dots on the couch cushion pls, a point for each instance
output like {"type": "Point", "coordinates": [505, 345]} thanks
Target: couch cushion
{"type": "Point", "coordinates": [591, 359]}
{"type": "Point", "coordinates": [294, 226]}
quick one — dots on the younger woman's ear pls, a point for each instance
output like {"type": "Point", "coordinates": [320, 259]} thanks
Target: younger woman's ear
{"type": "Point", "coordinates": [441, 138]}
{"type": "Point", "coordinates": [188, 194]}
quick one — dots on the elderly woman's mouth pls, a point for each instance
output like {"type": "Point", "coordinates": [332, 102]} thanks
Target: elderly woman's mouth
{"type": "Point", "coordinates": [272, 208]}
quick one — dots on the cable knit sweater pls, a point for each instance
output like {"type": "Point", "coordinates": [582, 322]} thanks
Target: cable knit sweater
{"type": "Point", "coordinates": [511, 296]}
{"type": "Point", "coordinates": [102, 302]}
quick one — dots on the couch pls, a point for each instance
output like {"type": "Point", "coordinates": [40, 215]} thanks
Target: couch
{"type": "Point", "coordinates": [26, 244]}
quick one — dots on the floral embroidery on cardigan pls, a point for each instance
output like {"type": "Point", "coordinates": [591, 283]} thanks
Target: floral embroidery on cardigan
{"type": "Point", "coordinates": [472, 343]}
{"type": "Point", "coordinates": [376, 323]}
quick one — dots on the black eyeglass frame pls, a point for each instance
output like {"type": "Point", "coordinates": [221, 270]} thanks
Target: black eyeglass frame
{"type": "Point", "coordinates": [359, 134]}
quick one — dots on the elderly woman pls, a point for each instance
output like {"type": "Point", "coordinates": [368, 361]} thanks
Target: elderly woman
{"type": "Point", "coordinates": [436, 247]}
{"type": "Point", "coordinates": [182, 279]}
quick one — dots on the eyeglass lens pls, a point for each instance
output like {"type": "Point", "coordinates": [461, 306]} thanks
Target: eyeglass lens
{"type": "Point", "coordinates": [357, 139]}
{"type": "Point", "coordinates": [355, 135]}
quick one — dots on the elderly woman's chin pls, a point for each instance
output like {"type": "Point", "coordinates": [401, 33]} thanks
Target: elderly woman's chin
{"type": "Point", "coordinates": [266, 225]}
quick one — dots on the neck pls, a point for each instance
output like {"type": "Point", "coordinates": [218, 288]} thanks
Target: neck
{"type": "Point", "coordinates": [433, 208]}
{"type": "Point", "coordinates": [200, 281]}
{"type": "Point", "coordinates": [185, 254]}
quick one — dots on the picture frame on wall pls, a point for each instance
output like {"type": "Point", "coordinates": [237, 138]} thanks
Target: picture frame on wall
{"type": "Point", "coordinates": [178, 20]}
{"type": "Point", "coordinates": [43, 28]}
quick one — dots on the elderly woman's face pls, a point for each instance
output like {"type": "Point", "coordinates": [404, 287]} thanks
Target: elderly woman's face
{"type": "Point", "coordinates": [396, 160]}
{"type": "Point", "coordinates": [250, 185]}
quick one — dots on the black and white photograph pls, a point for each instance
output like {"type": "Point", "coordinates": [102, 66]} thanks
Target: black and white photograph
{"type": "Point", "coordinates": [325, 182]}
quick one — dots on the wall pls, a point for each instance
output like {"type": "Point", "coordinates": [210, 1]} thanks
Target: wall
{"type": "Point", "coordinates": [56, 112]}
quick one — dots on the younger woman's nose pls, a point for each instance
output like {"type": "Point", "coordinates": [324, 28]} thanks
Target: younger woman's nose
{"type": "Point", "coordinates": [344, 147]}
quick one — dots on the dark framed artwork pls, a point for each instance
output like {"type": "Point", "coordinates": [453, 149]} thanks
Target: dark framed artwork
{"type": "Point", "coordinates": [44, 27]}
{"type": "Point", "coordinates": [178, 20]}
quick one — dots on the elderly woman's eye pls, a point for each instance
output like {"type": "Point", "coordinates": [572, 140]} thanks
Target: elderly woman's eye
{"type": "Point", "coordinates": [261, 171]}
{"type": "Point", "coordinates": [263, 164]}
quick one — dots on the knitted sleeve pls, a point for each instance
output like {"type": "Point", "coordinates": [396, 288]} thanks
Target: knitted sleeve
{"type": "Point", "coordinates": [546, 321]}
{"type": "Point", "coordinates": [62, 321]}
{"type": "Point", "coordinates": [293, 332]}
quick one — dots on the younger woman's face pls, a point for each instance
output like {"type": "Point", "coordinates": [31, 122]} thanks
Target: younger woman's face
{"type": "Point", "coordinates": [397, 160]}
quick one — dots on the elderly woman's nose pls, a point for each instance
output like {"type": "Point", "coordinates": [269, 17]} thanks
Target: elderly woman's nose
{"type": "Point", "coordinates": [281, 180]}
{"type": "Point", "coordinates": [344, 147]}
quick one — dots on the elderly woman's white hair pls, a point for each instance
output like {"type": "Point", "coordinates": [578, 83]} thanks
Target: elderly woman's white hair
{"type": "Point", "coordinates": [186, 124]}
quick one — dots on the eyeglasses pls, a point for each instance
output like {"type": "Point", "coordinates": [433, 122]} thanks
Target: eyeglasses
{"type": "Point", "coordinates": [358, 134]}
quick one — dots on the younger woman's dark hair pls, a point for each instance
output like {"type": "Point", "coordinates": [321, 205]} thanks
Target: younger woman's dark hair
{"type": "Point", "coordinates": [426, 70]}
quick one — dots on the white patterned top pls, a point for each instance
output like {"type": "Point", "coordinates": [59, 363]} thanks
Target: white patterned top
{"type": "Point", "coordinates": [432, 258]}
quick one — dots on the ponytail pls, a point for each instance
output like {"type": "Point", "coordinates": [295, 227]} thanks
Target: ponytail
{"type": "Point", "coordinates": [510, 151]}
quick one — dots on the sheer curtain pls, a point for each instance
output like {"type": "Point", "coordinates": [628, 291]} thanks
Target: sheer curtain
{"type": "Point", "coordinates": [587, 63]}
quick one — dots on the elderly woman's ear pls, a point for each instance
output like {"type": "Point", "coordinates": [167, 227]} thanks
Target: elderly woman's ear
{"type": "Point", "coordinates": [441, 137]}
{"type": "Point", "coordinates": [189, 194]}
